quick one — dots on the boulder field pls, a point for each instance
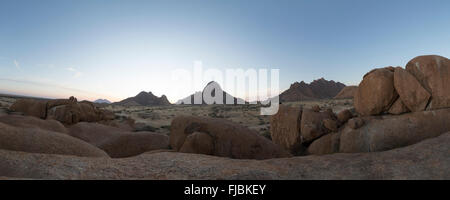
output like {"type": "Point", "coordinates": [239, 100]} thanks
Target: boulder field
{"type": "Point", "coordinates": [395, 107]}
{"type": "Point", "coordinates": [422, 85]}
{"type": "Point", "coordinates": [67, 111]}
{"type": "Point", "coordinates": [223, 138]}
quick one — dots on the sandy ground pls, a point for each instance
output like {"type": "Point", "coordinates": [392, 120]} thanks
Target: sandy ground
{"type": "Point", "coordinates": [160, 117]}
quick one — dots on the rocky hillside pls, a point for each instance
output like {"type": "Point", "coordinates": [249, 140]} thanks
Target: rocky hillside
{"type": "Point", "coordinates": [210, 87]}
{"type": "Point", "coordinates": [145, 99]}
{"type": "Point", "coordinates": [318, 89]}
{"type": "Point", "coordinates": [347, 93]}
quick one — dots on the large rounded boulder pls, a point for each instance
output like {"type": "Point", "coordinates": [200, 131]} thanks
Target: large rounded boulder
{"type": "Point", "coordinates": [30, 107]}
{"type": "Point", "coordinates": [433, 73]}
{"type": "Point", "coordinates": [117, 142]}
{"type": "Point", "coordinates": [394, 131]}
{"type": "Point", "coordinates": [376, 92]}
{"type": "Point", "coordinates": [36, 140]}
{"type": "Point", "coordinates": [227, 139]}
{"type": "Point", "coordinates": [33, 122]}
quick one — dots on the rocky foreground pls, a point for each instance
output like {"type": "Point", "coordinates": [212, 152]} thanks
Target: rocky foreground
{"type": "Point", "coordinates": [426, 160]}
{"type": "Point", "coordinates": [399, 129]}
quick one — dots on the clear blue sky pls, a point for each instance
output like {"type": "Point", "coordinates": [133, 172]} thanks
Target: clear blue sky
{"type": "Point", "coordinates": [115, 49]}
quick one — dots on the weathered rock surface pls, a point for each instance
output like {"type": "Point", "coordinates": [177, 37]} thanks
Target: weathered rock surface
{"type": "Point", "coordinates": [355, 123]}
{"type": "Point", "coordinates": [433, 72]}
{"type": "Point", "coordinates": [393, 131]}
{"type": "Point", "coordinates": [344, 116]}
{"type": "Point", "coordinates": [36, 140]}
{"type": "Point", "coordinates": [348, 92]}
{"type": "Point", "coordinates": [116, 142]}
{"type": "Point", "coordinates": [426, 160]}
{"type": "Point", "coordinates": [285, 128]}
{"type": "Point", "coordinates": [31, 107]}
{"type": "Point", "coordinates": [330, 124]}
{"type": "Point", "coordinates": [398, 108]}
{"type": "Point", "coordinates": [198, 142]}
{"type": "Point", "coordinates": [411, 93]}
{"type": "Point", "coordinates": [73, 113]}
{"type": "Point", "coordinates": [375, 93]}
{"type": "Point", "coordinates": [326, 144]}
{"type": "Point", "coordinates": [312, 126]}
{"type": "Point", "coordinates": [33, 122]}
{"type": "Point", "coordinates": [229, 139]}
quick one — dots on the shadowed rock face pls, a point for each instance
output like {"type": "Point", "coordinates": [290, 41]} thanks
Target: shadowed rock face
{"type": "Point", "coordinates": [318, 89]}
{"type": "Point", "coordinates": [426, 160]}
{"type": "Point", "coordinates": [117, 142]}
{"type": "Point", "coordinates": [227, 139]}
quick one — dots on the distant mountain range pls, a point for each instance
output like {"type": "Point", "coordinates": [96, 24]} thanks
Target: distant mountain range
{"type": "Point", "coordinates": [144, 99]}
{"type": "Point", "coordinates": [208, 88]}
{"type": "Point", "coordinates": [318, 89]}
{"type": "Point", "coordinates": [105, 101]}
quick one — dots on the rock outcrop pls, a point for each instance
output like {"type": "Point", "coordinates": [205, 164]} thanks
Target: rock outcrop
{"type": "Point", "coordinates": [422, 86]}
{"type": "Point", "coordinates": [33, 122]}
{"type": "Point", "coordinates": [426, 160]}
{"type": "Point", "coordinates": [312, 125]}
{"type": "Point", "coordinates": [228, 139]}
{"type": "Point", "coordinates": [68, 111]}
{"type": "Point", "coordinates": [375, 93]}
{"type": "Point", "coordinates": [411, 93]}
{"type": "Point", "coordinates": [30, 107]}
{"type": "Point", "coordinates": [433, 73]}
{"type": "Point", "coordinates": [394, 131]}
{"type": "Point", "coordinates": [117, 142]}
{"type": "Point", "coordinates": [36, 140]}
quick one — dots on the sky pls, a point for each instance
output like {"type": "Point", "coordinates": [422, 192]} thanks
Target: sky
{"type": "Point", "coordinates": [114, 49]}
